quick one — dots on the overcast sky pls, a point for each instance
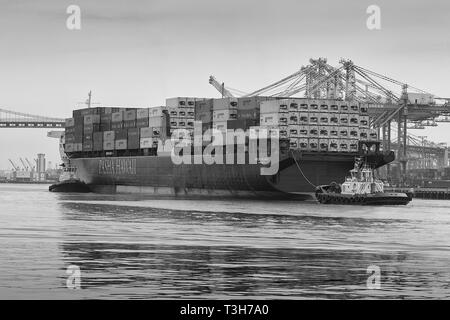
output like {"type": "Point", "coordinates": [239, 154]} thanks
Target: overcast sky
{"type": "Point", "coordinates": [140, 52]}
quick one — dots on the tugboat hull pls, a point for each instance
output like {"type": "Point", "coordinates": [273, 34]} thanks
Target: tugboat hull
{"type": "Point", "coordinates": [382, 198]}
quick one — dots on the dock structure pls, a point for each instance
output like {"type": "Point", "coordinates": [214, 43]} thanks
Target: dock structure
{"type": "Point", "coordinates": [424, 193]}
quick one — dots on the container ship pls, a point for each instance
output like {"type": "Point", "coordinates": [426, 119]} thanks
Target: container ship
{"type": "Point", "coordinates": [124, 150]}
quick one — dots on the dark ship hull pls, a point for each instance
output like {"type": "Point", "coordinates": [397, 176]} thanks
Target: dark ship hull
{"type": "Point", "coordinates": [158, 175]}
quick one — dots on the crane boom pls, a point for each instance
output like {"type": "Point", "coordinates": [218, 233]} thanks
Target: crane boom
{"type": "Point", "coordinates": [25, 167]}
{"type": "Point", "coordinates": [16, 168]}
{"type": "Point", "coordinates": [29, 163]}
{"type": "Point", "coordinates": [220, 87]}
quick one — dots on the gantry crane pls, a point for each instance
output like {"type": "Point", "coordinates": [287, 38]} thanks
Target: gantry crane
{"type": "Point", "coordinates": [16, 168]}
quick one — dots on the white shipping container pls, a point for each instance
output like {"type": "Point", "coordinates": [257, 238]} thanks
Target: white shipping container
{"type": "Point", "coordinates": [334, 106]}
{"type": "Point", "coordinates": [344, 145]}
{"type": "Point", "coordinates": [313, 106]}
{"type": "Point", "coordinates": [293, 105]}
{"type": "Point", "coordinates": [220, 125]}
{"type": "Point", "coordinates": [313, 118]}
{"type": "Point", "coordinates": [146, 143]}
{"type": "Point", "coordinates": [334, 119]}
{"type": "Point", "coordinates": [303, 131]}
{"type": "Point", "coordinates": [313, 144]}
{"type": "Point", "coordinates": [334, 132]}
{"type": "Point", "coordinates": [353, 133]}
{"type": "Point", "coordinates": [323, 144]}
{"type": "Point", "coordinates": [303, 144]}
{"type": "Point", "coordinates": [353, 145]}
{"type": "Point", "coordinates": [343, 108]}
{"type": "Point", "coordinates": [176, 102]}
{"type": "Point", "coordinates": [293, 131]}
{"type": "Point", "coordinates": [343, 119]}
{"type": "Point", "coordinates": [313, 131]}
{"type": "Point", "coordinates": [323, 132]}
{"type": "Point", "coordinates": [293, 117]}
{"type": "Point", "coordinates": [303, 118]}
{"type": "Point", "coordinates": [303, 105]}
{"type": "Point", "coordinates": [373, 134]}
{"type": "Point", "coordinates": [363, 134]}
{"type": "Point", "coordinates": [333, 145]}
{"type": "Point", "coordinates": [354, 107]}
{"type": "Point", "coordinates": [324, 119]}
{"type": "Point", "coordinates": [364, 122]}
{"type": "Point", "coordinates": [353, 120]}
{"type": "Point", "coordinates": [343, 133]}
{"type": "Point", "coordinates": [293, 143]}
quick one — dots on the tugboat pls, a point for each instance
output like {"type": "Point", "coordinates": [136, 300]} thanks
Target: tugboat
{"type": "Point", "coordinates": [361, 188]}
{"type": "Point", "coordinates": [68, 182]}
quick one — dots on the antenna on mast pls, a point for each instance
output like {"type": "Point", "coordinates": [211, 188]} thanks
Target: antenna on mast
{"type": "Point", "coordinates": [88, 101]}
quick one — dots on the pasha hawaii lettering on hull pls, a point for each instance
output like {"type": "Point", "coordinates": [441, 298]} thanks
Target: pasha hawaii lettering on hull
{"type": "Point", "coordinates": [117, 166]}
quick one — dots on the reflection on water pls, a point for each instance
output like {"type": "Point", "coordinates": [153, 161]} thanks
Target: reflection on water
{"type": "Point", "coordinates": [131, 247]}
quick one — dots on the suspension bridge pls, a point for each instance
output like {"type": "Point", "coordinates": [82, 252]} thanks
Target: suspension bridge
{"type": "Point", "coordinates": [14, 119]}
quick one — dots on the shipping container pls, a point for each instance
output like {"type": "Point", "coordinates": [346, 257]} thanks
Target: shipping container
{"type": "Point", "coordinates": [69, 138]}
{"type": "Point", "coordinates": [222, 115]}
{"type": "Point", "coordinates": [334, 108]}
{"type": "Point", "coordinates": [364, 122]}
{"type": "Point", "coordinates": [108, 145]}
{"type": "Point", "coordinates": [353, 145]}
{"type": "Point", "coordinates": [303, 106]}
{"type": "Point", "coordinates": [354, 107]}
{"type": "Point", "coordinates": [334, 132]}
{"type": "Point", "coordinates": [225, 104]}
{"type": "Point", "coordinates": [313, 118]}
{"type": "Point", "coordinates": [293, 117]}
{"type": "Point", "coordinates": [116, 125]}
{"type": "Point", "coordinates": [220, 125]}
{"type": "Point", "coordinates": [313, 131]}
{"type": "Point", "coordinates": [363, 109]}
{"type": "Point", "coordinates": [120, 134]}
{"type": "Point", "coordinates": [91, 119]}
{"type": "Point", "coordinates": [98, 143]}
{"type": "Point", "coordinates": [353, 120]}
{"type": "Point", "coordinates": [142, 123]}
{"type": "Point", "coordinates": [324, 107]}
{"type": "Point", "coordinates": [109, 135]}
{"type": "Point", "coordinates": [313, 144]}
{"type": "Point", "coordinates": [156, 111]}
{"type": "Point", "coordinates": [343, 108]}
{"type": "Point", "coordinates": [323, 132]}
{"type": "Point", "coordinates": [87, 137]}
{"type": "Point", "coordinates": [363, 134]}
{"type": "Point", "coordinates": [274, 106]}
{"type": "Point", "coordinates": [303, 118]}
{"type": "Point", "coordinates": [313, 106]}
{"type": "Point", "coordinates": [87, 145]}
{"type": "Point", "coordinates": [293, 143]}
{"type": "Point", "coordinates": [323, 145]}
{"type": "Point", "coordinates": [129, 124]}
{"type": "Point", "coordinates": [293, 106]}
{"type": "Point", "coordinates": [324, 119]}
{"type": "Point", "coordinates": [106, 118]}
{"type": "Point", "coordinates": [420, 98]}
{"type": "Point", "coordinates": [334, 119]}
{"type": "Point", "coordinates": [353, 133]}
{"type": "Point", "coordinates": [293, 131]}
{"type": "Point", "coordinates": [129, 115]}
{"type": "Point", "coordinates": [160, 121]}
{"type": "Point", "coordinates": [70, 122]}
{"type": "Point", "coordinates": [78, 147]}
{"type": "Point", "coordinates": [343, 145]}
{"type": "Point", "coordinates": [343, 119]}
{"type": "Point", "coordinates": [273, 119]}
{"type": "Point", "coordinates": [343, 133]}
{"type": "Point", "coordinates": [303, 131]}
{"type": "Point", "coordinates": [117, 116]}
{"type": "Point", "coordinates": [146, 143]}
{"type": "Point", "coordinates": [91, 128]}
{"type": "Point", "coordinates": [146, 132]}
{"type": "Point", "coordinates": [373, 134]}
{"type": "Point", "coordinates": [159, 132]}
{"type": "Point", "coordinates": [120, 144]}
{"type": "Point", "coordinates": [142, 113]}
{"type": "Point", "coordinates": [303, 144]}
{"type": "Point", "coordinates": [69, 147]}
{"type": "Point", "coordinates": [333, 145]}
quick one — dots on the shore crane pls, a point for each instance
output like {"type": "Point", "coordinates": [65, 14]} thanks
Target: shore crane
{"type": "Point", "coordinates": [16, 168]}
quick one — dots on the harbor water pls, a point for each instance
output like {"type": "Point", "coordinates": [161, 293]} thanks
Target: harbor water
{"type": "Point", "coordinates": [132, 247]}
